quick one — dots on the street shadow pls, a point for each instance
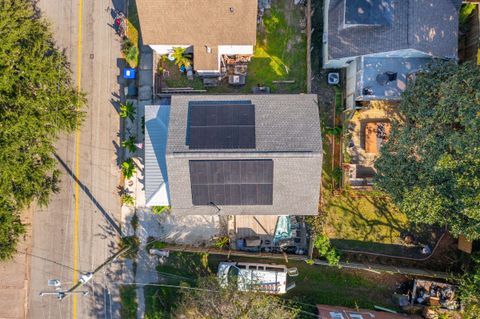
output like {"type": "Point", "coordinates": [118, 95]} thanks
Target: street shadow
{"type": "Point", "coordinates": [87, 191]}
{"type": "Point", "coordinates": [118, 152]}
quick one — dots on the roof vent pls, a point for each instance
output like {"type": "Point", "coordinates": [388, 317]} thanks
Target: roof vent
{"type": "Point", "coordinates": [208, 49]}
{"type": "Point", "coordinates": [232, 10]}
{"type": "Point", "coordinates": [384, 78]}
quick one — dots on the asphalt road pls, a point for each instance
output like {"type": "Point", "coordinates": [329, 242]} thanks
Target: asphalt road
{"type": "Point", "coordinates": [73, 233]}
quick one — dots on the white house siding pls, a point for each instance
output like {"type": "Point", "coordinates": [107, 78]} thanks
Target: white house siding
{"type": "Point", "coordinates": [326, 5]}
{"type": "Point", "coordinates": [235, 49]}
{"type": "Point", "coordinates": [166, 49]}
{"type": "Point", "coordinates": [351, 84]}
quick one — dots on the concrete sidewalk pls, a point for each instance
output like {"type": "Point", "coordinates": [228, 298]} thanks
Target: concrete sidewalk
{"type": "Point", "coordinates": [14, 276]}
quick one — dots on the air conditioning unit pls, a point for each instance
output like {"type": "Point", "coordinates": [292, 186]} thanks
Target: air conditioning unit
{"type": "Point", "coordinates": [333, 78]}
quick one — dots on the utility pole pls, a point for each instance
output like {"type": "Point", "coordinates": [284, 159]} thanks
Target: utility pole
{"type": "Point", "coordinates": [84, 278]}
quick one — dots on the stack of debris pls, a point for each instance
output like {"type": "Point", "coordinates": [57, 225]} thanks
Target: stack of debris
{"type": "Point", "coordinates": [430, 293]}
{"type": "Point", "coordinates": [428, 298]}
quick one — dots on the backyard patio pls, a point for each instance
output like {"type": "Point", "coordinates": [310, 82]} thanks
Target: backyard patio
{"type": "Point", "coordinates": [277, 66]}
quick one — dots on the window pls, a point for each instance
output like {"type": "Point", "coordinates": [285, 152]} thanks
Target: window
{"type": "Point", "coordinates": [336, 315]}
{"type": "Point", "coordinates": [355, 316]}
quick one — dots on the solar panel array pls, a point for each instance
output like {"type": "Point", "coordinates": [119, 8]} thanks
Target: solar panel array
{"type": "Point", "coordinates": [221, 125]}
{"type": "Point", "coordinates": [232, 182]}
{"type": "Point", "coordinates": [368, 12]}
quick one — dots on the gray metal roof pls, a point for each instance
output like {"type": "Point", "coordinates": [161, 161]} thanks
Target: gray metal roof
{"type": "Point", "coordinates": [429, 26]}
{"type": "Point", "coordinates": [370, 67]}
{"type": "Point", "coordinates": [156, 130]}
{"type": "Point", "coordinates": [287, 132]}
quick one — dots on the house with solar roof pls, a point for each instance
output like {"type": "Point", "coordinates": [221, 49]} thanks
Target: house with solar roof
{"type": "Point", "coordinates": [383, 43]}
{"type": "Point", "coordinates": [234, 154]}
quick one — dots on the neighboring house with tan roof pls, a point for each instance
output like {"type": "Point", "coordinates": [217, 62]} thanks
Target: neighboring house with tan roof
{"type": "Point", "coordinates": [207, 28]}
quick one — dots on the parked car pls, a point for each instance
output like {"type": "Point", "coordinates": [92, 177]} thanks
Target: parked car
{"type": "Point", "coordinates": [269, 278]}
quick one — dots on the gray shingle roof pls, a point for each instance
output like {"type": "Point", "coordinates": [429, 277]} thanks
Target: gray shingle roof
{"type": "Point", "coordinates": [287, 131]}
{"type": "Point", "coordinates": [430, 26]}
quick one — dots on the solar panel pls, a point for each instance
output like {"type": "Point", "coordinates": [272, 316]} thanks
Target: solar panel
{"type": "Point", "coordinates": [368, 12]}
{"type": "Point", "coordinates": [232, 182]}
{"type": "Point", "coordinates": [221, 125]}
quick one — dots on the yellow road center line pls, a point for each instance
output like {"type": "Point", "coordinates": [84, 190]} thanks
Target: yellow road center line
{"type": "Point", "coordinates": [77, 155]}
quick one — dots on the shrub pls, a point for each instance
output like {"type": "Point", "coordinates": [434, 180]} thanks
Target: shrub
{"type": "Point", "coordinates": [129, 144]}
{"type": "Point", "coordinates": [310, 262]}
{"type": "Point", "coordinates": [128, 200]}
{"type": "Point", "coordinates": [157, 210]}
{"type": "Point", "coordinates": [127, 110]}
{"type": "Point", "coordinates": [465, 12]}
{"type": "Point", "coordinates": [222, 242]}
{"type": "Point", "coordinates": [322, 243]}
{"type": "Point", "coordinates": [128, 168]}
{"type": "Point", "coordinates": [333, 131]}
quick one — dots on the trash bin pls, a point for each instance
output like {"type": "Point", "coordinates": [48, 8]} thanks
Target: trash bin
{"type": "Point", "coordinates": [129, 73]}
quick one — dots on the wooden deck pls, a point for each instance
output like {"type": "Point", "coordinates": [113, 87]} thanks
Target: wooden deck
{"type": "Point", "coordinates": [262, 226]}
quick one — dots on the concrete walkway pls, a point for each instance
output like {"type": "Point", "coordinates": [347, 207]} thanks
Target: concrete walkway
{"type": "Point", "coordinates": [146, 263]}
{"type": "Point", "coordinates": [147, 224]}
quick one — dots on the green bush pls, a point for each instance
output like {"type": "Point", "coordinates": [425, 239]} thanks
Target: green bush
{"type": "Point", "coordinates": [337, 175]}
{"type": "Point", "coordinates": [334, 131]}
{"type": "Point", "coordinates": [465, 12]}
{"type": "Point", "coordinates": [128, 168]}
{"type": "Point", "coordinates": [129, 144]}
{"type": "Point", "coordinates": [128, 200]}
{"type": "Point", "coordinates": [127, 110]}
{"type": "Point", "coordinates": [128, 300]}
{"type": "Point", "coordinates": [157, 210]}
{"type": "Point", "coordinates": [325, 249]}
{"type": "Point", "coordinates": [222, 242]}
{"type": "Point", "coordinates": [310, 262]}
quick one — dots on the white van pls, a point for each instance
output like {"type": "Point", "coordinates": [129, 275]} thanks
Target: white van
{"type": "Point", "coordinates": [269, 278]}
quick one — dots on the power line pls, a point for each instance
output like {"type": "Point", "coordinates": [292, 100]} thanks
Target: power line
{"type": "Point", "coordinates": [162, 285]}
{"type": "Point", "coordinates": [202, 289]}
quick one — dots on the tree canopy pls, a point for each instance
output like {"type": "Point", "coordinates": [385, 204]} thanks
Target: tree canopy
{"type": "Point", "coordinates": [431, 164]}
{"type": "Point", "coordinates": [37, 103]}
{"type": "Point", "coordinates": [469, 289]}
{"type": "Point", "coordinates": [215, 302]}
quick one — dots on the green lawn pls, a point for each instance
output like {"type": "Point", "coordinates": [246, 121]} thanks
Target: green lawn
{"type": "Point", "coordinates": [280, 53]}
{"type": "Point", "coordinates": [358, 220]}
{"type": "Point", "coordinates": [177, 79]}
{"type": "Point", "coordinates": [314, 285]}
{"type": "Point", "coordinates": [133, 27]}
{"type": "Point", "coordinates": [128, 302]}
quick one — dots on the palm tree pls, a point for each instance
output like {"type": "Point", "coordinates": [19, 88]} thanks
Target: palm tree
{"type": "Point", "coordinates": [128, 200]}
{"type": "Point", "coordinates": [180, 57]}
{"type": "Point", "coordinates": [128, 168]}
{"type": "Point", "coordinates": [127, 110]}
{"type": "Point", "coordinates": [129, 144]}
